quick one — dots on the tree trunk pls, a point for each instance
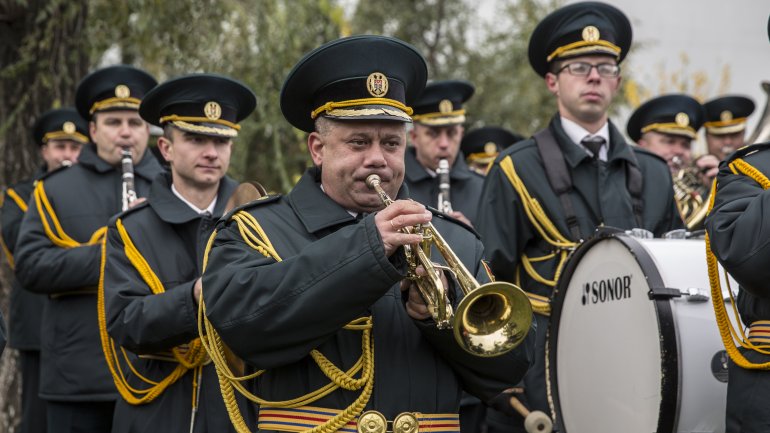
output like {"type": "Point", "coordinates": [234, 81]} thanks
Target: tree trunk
{"type": "Point", "coordinates": [43, 55]}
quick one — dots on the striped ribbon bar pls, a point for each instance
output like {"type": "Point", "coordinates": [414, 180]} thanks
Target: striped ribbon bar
{"type": "Point", "coordinates": [307, 417]}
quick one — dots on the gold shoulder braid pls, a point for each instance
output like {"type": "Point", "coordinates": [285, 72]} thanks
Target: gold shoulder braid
{"type": "Point", "coordinates": [23, 206]}
{"type": "Point", "coordinates": [548, 232]}
{"type": "Point", "coordinates": [254, 236]}
{"type": "Point", "coordinates": [732, 334]}
{"type": "Point", "coordinates": [59, 238]}
{"type": "Point", "coordinates": [190, 357]}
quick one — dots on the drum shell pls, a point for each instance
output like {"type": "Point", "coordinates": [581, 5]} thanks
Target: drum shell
{"type": "Point", "coordinates": [625, 353]}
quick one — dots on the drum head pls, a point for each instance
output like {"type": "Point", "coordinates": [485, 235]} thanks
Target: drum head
{"type": "Point", "coordinates": [612, 351]}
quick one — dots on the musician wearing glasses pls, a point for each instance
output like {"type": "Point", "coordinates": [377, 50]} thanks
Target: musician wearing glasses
{"type": "Point", "coordinates": [545, 195]}
{"type": "Point", "coordinates": [58, 249]}
{"type": "Point", "coordinates": [152, 311]}
{"type": "Point", "coordinates": [436, 172]}
{"type": "Point", "coordinates": [311, 287]}
{"type": "Point", "coordinates": [60, 133]}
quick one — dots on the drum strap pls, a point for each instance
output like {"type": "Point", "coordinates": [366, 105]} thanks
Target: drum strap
{"type": "Point", "coordinates": [561, 180]}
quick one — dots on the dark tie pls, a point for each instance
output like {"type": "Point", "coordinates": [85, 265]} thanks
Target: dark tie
{"type": "Point", "coordinates": [593, 144]}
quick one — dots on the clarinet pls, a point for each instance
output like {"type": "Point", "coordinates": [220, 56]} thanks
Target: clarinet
{"type": "Point", "coordinates": [127, 164]}
{"type": "Point", "coordinates": [444, 205]}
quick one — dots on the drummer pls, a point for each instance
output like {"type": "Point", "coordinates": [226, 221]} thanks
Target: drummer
{"type": "Point", "coordinates": [605, 182]}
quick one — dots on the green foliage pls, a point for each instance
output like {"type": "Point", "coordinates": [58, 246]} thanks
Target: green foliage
{"type": "Point", "coordinates": [490, 52]}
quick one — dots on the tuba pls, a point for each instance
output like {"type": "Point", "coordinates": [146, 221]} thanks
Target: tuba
{"type": "Point", "coordinates": [444, 205]}
{"type": "Point", "coordinates": [688, 194]}
{"type": "Point", "coordinates": [490, 320]}
{"type": "Point", "coordinates": [129, 191]}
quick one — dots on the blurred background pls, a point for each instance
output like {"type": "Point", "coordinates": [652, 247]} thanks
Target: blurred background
{"type": "Point", "coordinates": [705, 48]}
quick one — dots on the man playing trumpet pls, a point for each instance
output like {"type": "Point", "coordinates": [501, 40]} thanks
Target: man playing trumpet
{"type": "Point", "coordinates": [310, 286]}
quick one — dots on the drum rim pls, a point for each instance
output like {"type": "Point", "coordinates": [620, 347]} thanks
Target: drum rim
{"type": "Point", "coordinates": [670, 378]}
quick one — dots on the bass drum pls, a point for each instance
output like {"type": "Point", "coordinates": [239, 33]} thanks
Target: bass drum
{"type": "Point", "coordinates": [633, 345]}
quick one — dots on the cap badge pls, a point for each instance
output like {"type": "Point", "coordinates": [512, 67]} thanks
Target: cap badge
{"type": "Point", "coordinates": [590, 34]}
{"type": "Point", "coordinates": [68, 127]}
{"type": "Point", "coordinates": [490, 148]}
{"type": "Point", "coordinates": [445, 106]}
{"type": "Point", "coordinates": [122, 91]}
{"type": "Point", "coordinates": [377, 84]}
{"type": "Point", "coordinates": [682, 119]}
{"type": "Point", "coordinates": [212, 110]}
{"type": "Point", "coordinates": [726, 116]}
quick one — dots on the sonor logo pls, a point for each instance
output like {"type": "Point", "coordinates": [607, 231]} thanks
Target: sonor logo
{"type": "Point", "coordinates": [611, 289]}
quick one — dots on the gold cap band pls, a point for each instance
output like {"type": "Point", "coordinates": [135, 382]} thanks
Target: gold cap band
{"type": "Point", "coordinates": [127, 103]}
{"type": "Point", "coordinates": [174, 118]}
{"type": "Point", "coordinates": [437, 119]}
{"type": "Point", "coordinates": [482, 157]}
{"type": "Point", "coordinates": [726, 127]}
{"type": "Point", "coordinates": [205, 130]}
{"type": "Point", "coordinates": [581, 47]}
{"type": "Point", "coordinates": [670, 128]}
{"type": "Point", "coordinates": [331, 107]}
{"type": "Point", "coordinates": [61, 135]}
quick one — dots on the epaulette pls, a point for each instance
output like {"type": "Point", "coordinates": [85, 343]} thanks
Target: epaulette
{"type": "Point", "coordinates": [452, 219]}
{"type": "Point", "coordinates": [258, 202]}
{"type": "Point", "coordinates": [52, 172]}
{"type": "Point", "coordinates": [646, 152]}
{"type": "Point", "coordinates": [747, 150]}
{"type": "Point", "coordinates": [123, 214]}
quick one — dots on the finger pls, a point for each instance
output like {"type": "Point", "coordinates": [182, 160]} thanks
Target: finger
{"type": "Point", "coordinates": [402, 207]}
{"type": "Point", "coordinates": [398, 238]}
{"type": "Point", "coordinates": [408, 220]}
{"type": "Point", "coordinates": [415, 297]}
{"type": "Point", "coordinates": [405, 285]}
{"type": "Point", "coordinates": [420, 310]}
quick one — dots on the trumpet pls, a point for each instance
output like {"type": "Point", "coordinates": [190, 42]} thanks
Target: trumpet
{"type": "Point", "coordinates": [444, 205]}
{"type": "Point", "coordinates": [129, 191]}
{"type": "Point", "coordinates": [491, 319]}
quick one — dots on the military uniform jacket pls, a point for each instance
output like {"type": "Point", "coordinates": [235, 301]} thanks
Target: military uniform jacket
{"type": "Point", "coordinates": [172, 239]}
{"type": "Point", "coordinates": [736, 227]}
{"type": "Point", "coordinates": [465, 185]}
{"type": "Point", "coordinates": [334, 270]}
{"type": "Point", "coordinates": [84, 198]}
{"type": "Point", "coordinates": [599, 196]}
{"type": "Point", "coordinates": [26, 308]}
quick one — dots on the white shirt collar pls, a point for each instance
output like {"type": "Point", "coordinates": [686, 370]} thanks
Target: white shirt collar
{"type": "Point", "coordinates": [577, 133]}
{"type": "Point", "coordinates": [209, 209]}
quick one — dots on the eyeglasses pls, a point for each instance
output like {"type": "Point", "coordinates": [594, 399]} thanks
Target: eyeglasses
{"type": "Point", "coordinates": [583, 69]}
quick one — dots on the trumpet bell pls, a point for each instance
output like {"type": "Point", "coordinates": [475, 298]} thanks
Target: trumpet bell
{"type": "Point", "coordinates": [492, 319]}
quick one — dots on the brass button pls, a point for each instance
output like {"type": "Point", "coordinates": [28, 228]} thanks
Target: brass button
{"type": "Point", "coordinates": [372, 421]}
{"type": "Point", "coordinates": [405, 423]}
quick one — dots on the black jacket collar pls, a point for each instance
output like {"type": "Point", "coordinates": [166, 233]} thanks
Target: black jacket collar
{"type": "Point", "coordinates": [314, 208]}
{"type": "Point", "coordinates": [173, 210]}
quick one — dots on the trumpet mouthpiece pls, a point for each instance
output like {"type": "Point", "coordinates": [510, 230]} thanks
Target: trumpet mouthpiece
{"type": "Point", "coordinates": [372, 180]}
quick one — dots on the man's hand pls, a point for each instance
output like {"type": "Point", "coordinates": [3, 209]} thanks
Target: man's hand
{"type": "Point", "coordinates": [400, 214]}
{"type": "Point", "coordinates": [137, 202]}
{"type": "Point", "coordinates": [459, 215]}
{"type": "Point", "coordinates": [708, 167]}
{"type": "Point", "coordinates": [197, 289]}
{"type": "Point", "coordinates": [415, 304]}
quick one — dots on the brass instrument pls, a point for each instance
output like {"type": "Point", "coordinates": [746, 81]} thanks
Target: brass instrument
{"type": "Point", "coordinates": [490, 320]}
{"type": "Point", "coordinates": [444, 205]}
{"type": "Point", "coordinates": [688, 194]}
{"type": "Point", "coordinates": [129, 191]}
